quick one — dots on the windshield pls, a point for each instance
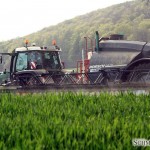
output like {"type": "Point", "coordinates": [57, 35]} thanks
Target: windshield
{"type": "Point", "coordinates": [37, 60]}
{"type": "Point", "coordinates": [21, 63]}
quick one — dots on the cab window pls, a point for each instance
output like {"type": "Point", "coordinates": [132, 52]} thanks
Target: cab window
{"type": "Point", "coordinates": [21, 63]}
{"type": "Point", "coordinates": [51, 60]}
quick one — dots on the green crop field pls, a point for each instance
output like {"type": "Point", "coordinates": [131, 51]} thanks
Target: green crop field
{"type": "Point", "coordinates": [73, 121]}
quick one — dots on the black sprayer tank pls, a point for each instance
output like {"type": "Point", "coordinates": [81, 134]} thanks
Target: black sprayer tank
{"type": "Point", "coordinates": [117, 54]}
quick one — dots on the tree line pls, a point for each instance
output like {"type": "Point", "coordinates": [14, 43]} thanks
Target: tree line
{"type": "Point", "coordinates": [130, 18]}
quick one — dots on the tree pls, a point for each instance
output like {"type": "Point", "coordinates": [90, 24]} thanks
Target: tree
{"type": "Point", "coordinates": [147, 1]}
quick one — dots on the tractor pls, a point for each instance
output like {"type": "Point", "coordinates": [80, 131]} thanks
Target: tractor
{"type": "Point", "coordinates": [33, 65]}
{"type": "Point", "coordinates": [114, 60]}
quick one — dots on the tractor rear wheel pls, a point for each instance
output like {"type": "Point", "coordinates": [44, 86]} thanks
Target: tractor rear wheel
{"type": "Point", "coordinates": [140, 74]}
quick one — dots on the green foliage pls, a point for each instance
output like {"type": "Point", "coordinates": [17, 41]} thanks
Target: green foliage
{"type": "Point", "coordinates": [130, 18]}
{"type": "Point", "coordinates": [73, 121]}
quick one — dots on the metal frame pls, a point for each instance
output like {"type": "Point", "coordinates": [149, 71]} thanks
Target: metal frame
{"type": "Point", "coordinates": [95, 78]}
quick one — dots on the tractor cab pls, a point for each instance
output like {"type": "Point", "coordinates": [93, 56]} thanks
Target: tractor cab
{"type": "Point", "coordinates": [35, 58]}
{"type": "Point", "coordinates": [33, 61]}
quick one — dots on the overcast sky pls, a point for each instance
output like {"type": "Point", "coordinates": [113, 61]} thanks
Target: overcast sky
{"type": "Point", "coordinates": [22, 17]}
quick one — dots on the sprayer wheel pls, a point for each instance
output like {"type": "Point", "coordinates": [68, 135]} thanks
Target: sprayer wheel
{"type": "Point", "coordinates": [140, 74]}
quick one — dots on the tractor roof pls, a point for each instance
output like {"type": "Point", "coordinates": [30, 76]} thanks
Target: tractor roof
{"type": "Point", "coordinates": [37, 48]}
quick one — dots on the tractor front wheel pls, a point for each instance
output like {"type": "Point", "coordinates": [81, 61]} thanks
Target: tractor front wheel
{"type": "Point", "coordinates": [28, 80]}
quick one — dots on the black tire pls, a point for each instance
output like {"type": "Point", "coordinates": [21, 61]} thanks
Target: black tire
{"type": "Point", "coordinates": [140, 74]}
{"type": "Point", "coordinates": [33, 82]}
{"type": "Point", "coordinates": [27, 80]}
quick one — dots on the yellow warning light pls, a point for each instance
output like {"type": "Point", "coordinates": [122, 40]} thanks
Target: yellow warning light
{"type": "Point", "coordinates": [26, 42]}
{"type": "Point", "coordinates": [54, 42]}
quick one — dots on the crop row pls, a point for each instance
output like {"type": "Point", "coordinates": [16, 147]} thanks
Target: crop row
{"type": "Point", "coordinates": [73, 121]}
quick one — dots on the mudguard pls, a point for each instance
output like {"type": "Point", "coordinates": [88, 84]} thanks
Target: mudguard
{"type": "Point", "coordinates": [132, 65]}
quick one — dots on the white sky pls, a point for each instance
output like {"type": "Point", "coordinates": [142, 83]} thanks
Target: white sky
{"type": "Point", "coordinates": [22, 17]}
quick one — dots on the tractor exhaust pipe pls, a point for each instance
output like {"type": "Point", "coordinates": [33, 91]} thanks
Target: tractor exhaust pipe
{"type": "Point", "coordinates": [97, 41]}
